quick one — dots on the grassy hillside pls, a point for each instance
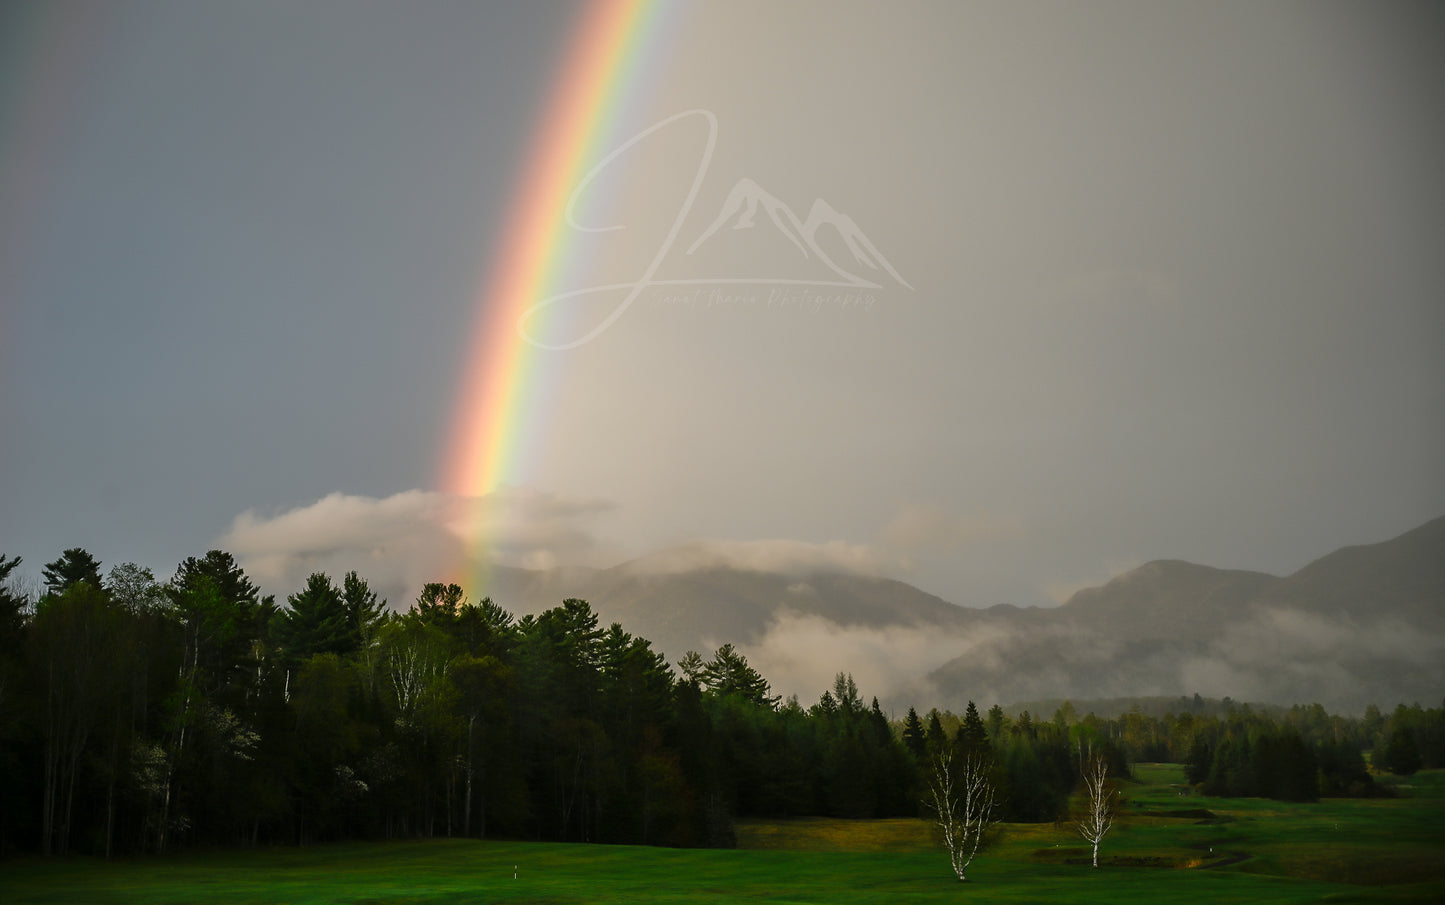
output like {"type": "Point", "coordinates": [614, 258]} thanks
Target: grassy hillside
{"type": "Point", "coordinates": [1166, 849]}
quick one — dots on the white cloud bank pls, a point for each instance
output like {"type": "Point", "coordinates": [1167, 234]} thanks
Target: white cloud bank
{"type": "Point", "coordinates": [801, 654]}
{"type": "Point", "coordinates": [915, 532]}
{"type": "Point", "coordinates": [400, 542]}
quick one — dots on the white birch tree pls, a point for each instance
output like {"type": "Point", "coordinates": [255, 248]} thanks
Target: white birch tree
{"type": "Point", "coordinates": [962, 795]}
{"type": "Point", "coordinates": [1101, 798]}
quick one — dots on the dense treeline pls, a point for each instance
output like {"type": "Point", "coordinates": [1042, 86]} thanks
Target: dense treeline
{"type": "Point", "coordinates": [1299, 754]}
{"type": "Point", "coordinates": [138, 716]}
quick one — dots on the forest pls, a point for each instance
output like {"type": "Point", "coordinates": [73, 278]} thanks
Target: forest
{"type": "Point", "coordinates": [144, 716]}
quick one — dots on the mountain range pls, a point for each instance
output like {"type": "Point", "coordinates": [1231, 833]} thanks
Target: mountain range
{"type": "Point", "coordinates": [1360, 625]}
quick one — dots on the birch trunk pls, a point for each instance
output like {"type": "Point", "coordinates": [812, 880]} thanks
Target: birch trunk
{"type": "Point", "coordinates": [1099, 816]}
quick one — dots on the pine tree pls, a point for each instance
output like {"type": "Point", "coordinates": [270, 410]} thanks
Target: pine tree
{"type": "Point", "coordinates": [364, 612]}
{"type": "Point", "coordinates": [998, 724]}
{"type": "Point", "coordinates": [223, 617]}
{"type": "Point", "coordinates": [972, 736]}
{"type": "Point", "coordinates": [728, 673]}
{"type": "Point", "coordinates": [12, 607]}
{"type": "Point", "coordinates": [935, 737]}
{"type": "Point", "coordinates": [439, 604]}
{"type": "Point", "coordinates": [316, 621]}
{"type": "Point", "coordinates": [74, 565]}
{"type": "Point", "coordinates": [913, 735]}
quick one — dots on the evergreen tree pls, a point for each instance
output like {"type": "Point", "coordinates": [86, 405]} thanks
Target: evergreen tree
{"type": "Point", "coordinates": [972, 737]}
{"type": "Point", "coordinates": [315, 622]}
{"type": "Point", "coordinates": [1201, 759]}
{"type": "Point", "coordinates": [221, 618]}
{"type": "Point", "coordinates": [728, 673]}
{"type": "Point", "coordinates": [484, 629]}
{"type": "Point", "coordinates": [1025, 725]}
{"type": "Point", "coordinates": [364, 613]}
{"type": "Point", "coordinates": [73, 565]}
{"type": "Point", "coordinates": [78, 645]}
{"type": "Point", "coordinates": [12, 606]}
{"type": "Point", "coordinates": [913, 734]}
{"type": "Point", "coordinates": [228, 578]}
{"type": "Point", "coordinates": [998, 724]}
{"type": "Point", "coordinates": [1400, 754]}
{"type": "Point", "coordinates": [935, 737]}
{"type": "Point", "coordinates": [224, 613]}
{"type": "Point", "coordinates": [845, 692]}
{"type": "Point", "coordinates": [1342, 770]}
{"type": "Point", "coordinates": [439, 604]}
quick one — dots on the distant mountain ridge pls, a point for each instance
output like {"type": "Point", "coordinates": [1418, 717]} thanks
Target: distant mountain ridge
{"type": "Point", "coordinates": [702, 608]}
{"type": "Point", "coordinates": [1361, 625]}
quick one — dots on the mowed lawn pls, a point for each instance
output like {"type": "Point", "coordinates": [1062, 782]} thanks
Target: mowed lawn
{"type": "Point", "coordinates": [1335, 851]}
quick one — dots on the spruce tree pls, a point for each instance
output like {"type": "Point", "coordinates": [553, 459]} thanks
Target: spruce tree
{"type": "Point", "coordinates": [913, 734]}
{"type": "Point", "coordinates": [972, 736]}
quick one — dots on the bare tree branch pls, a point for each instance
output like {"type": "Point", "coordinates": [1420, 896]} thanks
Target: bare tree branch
{"type": "Point", "coordinates": [962, 795]}
{"type": "Point", "coordinates": [1102, 796]}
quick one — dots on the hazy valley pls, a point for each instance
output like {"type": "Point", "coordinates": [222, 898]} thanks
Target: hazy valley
{"type": "Point", "coordinates": [1361, 625]}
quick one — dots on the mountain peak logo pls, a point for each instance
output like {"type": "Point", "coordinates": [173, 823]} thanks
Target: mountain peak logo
{"type": "Point", "coordinates": [747, 206]}
{"type": "Point", "coordinates": [741, 209]}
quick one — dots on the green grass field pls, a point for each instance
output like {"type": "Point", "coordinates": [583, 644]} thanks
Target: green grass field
{"type": "Point", "coordinates": [1387, 850]}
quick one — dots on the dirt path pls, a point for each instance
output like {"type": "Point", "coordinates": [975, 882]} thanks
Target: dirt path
{"type": "Point", "coordinates": [1227, 857]}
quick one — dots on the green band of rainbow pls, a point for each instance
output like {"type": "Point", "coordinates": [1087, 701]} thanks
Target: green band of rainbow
{"type": "Point", "coordinates": [501, 404]}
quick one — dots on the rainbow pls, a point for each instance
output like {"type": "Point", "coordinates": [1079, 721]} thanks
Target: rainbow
{"type": "Point", "coordinates": [505, 385]}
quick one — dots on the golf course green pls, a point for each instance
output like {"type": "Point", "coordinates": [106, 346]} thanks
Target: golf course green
{"type": "Point", "coordinates": [1167, 846]}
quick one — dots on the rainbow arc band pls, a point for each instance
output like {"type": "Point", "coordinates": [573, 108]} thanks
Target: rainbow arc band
{"type": "Point", "coordinates": [500, 408]}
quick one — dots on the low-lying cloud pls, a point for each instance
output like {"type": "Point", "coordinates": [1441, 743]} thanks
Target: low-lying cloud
{"type": "Point", "coordinates": [917, 531]}
{"type": "Point", "coordinates": [801, 654]}
{"type": "Point", "coordinates": [1283, 653]}
{"type": "Point", "coordinates": [400, 542]}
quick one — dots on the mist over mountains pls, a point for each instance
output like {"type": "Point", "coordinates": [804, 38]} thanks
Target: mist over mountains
{"type": "Point", "coordinates": [1360, 625]}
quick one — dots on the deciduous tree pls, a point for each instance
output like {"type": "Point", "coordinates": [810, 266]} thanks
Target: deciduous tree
{"type": "Point", "coordinates": [1100, 798]}
{"type": "Point", "coordinates": [961, 794]}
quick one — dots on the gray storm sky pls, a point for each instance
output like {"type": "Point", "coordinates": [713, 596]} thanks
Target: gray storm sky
{"type": "Point", "coordinates": [1174, 285]}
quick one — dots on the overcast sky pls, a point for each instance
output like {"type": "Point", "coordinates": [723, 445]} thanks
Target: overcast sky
{"type": "Point", "coordinates": [1168, 280]}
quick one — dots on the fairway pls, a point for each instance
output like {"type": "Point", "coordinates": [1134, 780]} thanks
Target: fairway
{"type": "Point", "coordinates": [1165, 849]}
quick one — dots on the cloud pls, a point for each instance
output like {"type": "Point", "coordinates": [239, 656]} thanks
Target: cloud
{"type": "Point", "coordinates": [916, 531]}
{"type": "Point", "coordinates": [1284, 653]}
{"type": "Point", "coordinates": [787, 557]}
{"type": "Point", "coordinates": [929, 528]}
{"type": "Point", "coordinates": [402, 541]}
{"type": "Point", "coordinates": [801, 654]}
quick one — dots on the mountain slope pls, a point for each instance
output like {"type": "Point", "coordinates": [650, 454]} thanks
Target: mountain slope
{"type": "Point", "coordinates": [1403, 577]}
{"type": "Point", "coordinates": [1166, 598]}
{"type": "Point", "coordinates": [1361, 625]}
{"type": "Point", "coordinates": [701, 608]}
